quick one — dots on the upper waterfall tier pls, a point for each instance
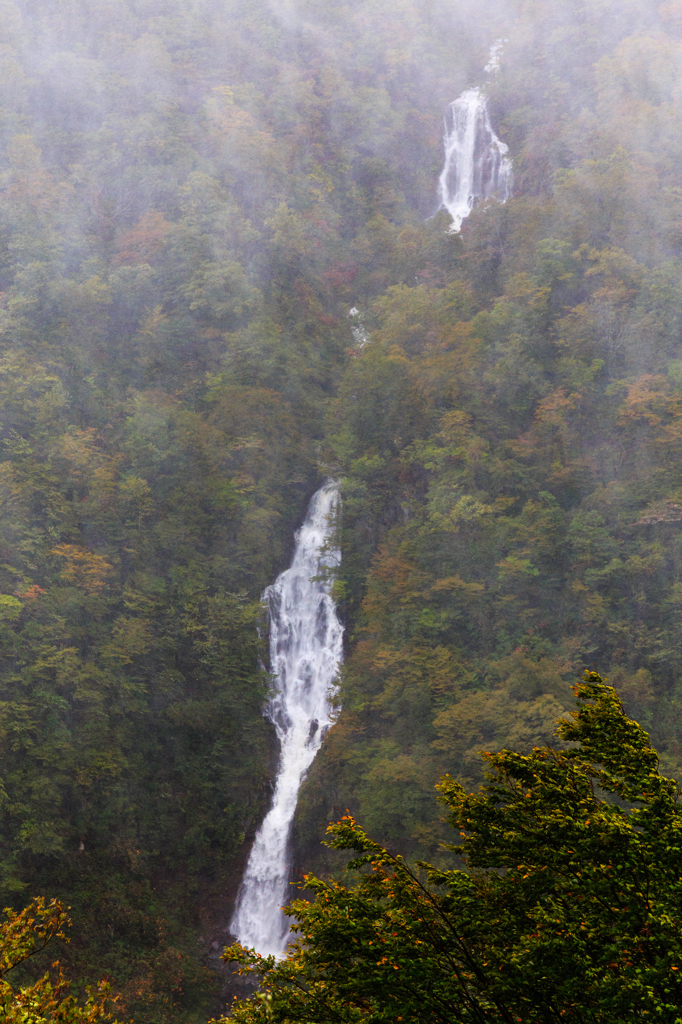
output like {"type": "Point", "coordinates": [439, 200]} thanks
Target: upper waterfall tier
{"type": "Point", "coordinates": [476, 162]}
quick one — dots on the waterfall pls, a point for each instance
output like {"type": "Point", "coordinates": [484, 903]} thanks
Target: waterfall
{"type": "Point", "coordinates": [360, 335]}
{"type": "Point", "coordinates": [476, 162]}
{"type": "Point", "coordinates": [305, 652]}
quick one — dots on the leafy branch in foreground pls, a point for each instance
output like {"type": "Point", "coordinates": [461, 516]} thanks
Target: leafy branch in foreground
{"type": "Point", "coordinates": [569, 908]}
{"type": "Point", "coordinates": [46, 1001]}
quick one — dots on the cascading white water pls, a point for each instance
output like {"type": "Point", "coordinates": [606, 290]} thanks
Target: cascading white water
{"type": "Point", "coordinates": [360, 335]}
{"type": "Point", "coordinates": [305, 652]}
{"type": "Point", "coordinates": [476, 162]}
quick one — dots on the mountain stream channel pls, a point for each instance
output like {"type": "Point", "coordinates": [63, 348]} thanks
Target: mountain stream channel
{"type": "Point", "coordinates": [305, 632]}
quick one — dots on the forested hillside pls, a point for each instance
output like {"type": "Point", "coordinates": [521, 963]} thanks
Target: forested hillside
{"type": "Point", "coordinates": [510, 440]}
{"type": "Point", "coordinates": [192, 197]}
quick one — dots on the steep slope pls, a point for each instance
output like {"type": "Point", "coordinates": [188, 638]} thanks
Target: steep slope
{"type": "Point", "coordinates": [509, 440]}
{"type": "Point", "coordinates": [192, 197]}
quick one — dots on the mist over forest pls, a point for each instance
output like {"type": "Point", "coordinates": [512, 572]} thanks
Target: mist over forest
{"type": "Point", "coordinates": [193, 197]}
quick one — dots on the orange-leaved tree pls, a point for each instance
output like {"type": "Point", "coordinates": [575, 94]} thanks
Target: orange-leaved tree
{"type": "Point", "coordinates": [48, 1000]}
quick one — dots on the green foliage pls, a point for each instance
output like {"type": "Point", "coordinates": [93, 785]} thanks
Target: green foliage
{"type": "Point", "coordinates": [182, 235]}
{"type": "Point", "coordinates": [181, 239]}
{"type": "Point", "coordinates": [508, 440]}
{"type": "Point", "coordinates": [566, 907]}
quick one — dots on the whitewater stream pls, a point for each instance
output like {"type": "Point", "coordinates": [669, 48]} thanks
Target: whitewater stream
{"type": "Point", "coordinates": [305, 652]}
{"type": "Point", "coordinates": [476, 164]}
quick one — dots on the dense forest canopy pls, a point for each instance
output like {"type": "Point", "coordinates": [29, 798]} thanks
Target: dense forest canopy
{"type": "Point", "coordinates": [563, 905]}
{"type": "Point", "coordinates": [192, 197]}
{"type": "Point", "coordinates": [519, 494]}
